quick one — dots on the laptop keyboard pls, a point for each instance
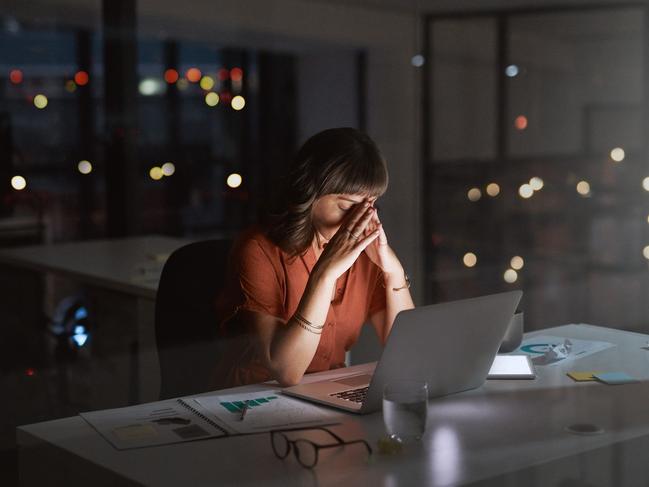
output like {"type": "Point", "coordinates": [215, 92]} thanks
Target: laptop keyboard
{"type": "Point", "coordinates": [353, 395]}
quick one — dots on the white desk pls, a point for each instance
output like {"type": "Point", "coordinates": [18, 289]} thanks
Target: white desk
{"type": "Point", "coordinates": [122, 276]}
{"type": "Point", "coordinates": [506, 433]}
{"type": "Point", "coordinates": [128, 265]}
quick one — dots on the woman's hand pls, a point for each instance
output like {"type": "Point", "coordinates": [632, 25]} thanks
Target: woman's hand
{"type": "Point", "coordinates": [380, 252]}
{"type": "Point", "coordinates": [347, 243]}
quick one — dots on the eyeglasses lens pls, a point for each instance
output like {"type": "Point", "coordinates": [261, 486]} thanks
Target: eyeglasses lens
{"type": "Point", "coordinates": [306, 453]}
{"type": "Point", "coordinates": [280, 444]}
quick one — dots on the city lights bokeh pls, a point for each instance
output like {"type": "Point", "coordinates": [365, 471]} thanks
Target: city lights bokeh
{"type": "Point", "coordinates": [474, 194]}
{"type": "Point", "coordinates": [470, 259]}
{"type": "Point", "coordinates": [493, 189]}
{"type": "Point", "coordinates": [84, 167]}
{"type": "Point", "coordinates": [18, 183]}
{"type": "Point", "coordinates": [155, 173]}
{"type": "Point", "coordinates": [211, 99]}
{"type": "Point", "coordinates": [583, 188]}
{"type": "Point", "coordinates": [510, 276]}
{"type": "Point", "coordinates": [40, 101]}
{"type": "Point", "coordinates": [526, 191]}
{"type": "Point", "coordinates": [234, 180]}
{"type": "Point", "coordinates": [171, 76]}
{"type": "Point", "coordinates": [168, 169]}
{"type": "Point", "coordinates": [617, 154]}
{"type": "Point", "coordinates": [517, 262]}
{"type": "Point", "coordinates": [238, 102]}
{"type": "Point", "coordinates": [193, 75]}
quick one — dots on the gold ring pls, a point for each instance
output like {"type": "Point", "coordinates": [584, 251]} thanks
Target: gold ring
{"type": "Point", "coordinates": [352, 234]}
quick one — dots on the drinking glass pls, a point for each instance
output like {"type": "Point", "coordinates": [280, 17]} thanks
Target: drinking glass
{"type": "Point", "coordinates": [405, 408]}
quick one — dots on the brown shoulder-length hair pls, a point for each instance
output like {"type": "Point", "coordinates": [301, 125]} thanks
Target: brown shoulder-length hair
{"type": "Point", "coordinates": [334, 161]}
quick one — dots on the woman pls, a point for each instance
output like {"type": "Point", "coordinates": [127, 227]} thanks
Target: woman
{"type": "Point", "coordinates": [299, 291]}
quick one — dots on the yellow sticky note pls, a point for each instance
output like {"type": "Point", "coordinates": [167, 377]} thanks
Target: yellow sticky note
{"type": "Point", "coordinates": [583, 376]}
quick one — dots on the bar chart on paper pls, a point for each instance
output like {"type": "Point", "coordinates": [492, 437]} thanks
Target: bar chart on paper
{"type": "Point", "coordinates": [267, 410]}
{"type": "Point", "coordinates": [237, 406]}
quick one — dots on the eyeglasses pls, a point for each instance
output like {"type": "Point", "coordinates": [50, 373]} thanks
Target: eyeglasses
{"type": "Point", "coordinates": [306, 451]}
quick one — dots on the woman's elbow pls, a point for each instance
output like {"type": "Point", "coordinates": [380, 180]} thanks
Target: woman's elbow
{"type": "Point", "coordinates": [287, 377]}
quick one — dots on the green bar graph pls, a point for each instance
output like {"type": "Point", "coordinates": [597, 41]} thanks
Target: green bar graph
{"type": "Point", "coordinates": [237, 406]}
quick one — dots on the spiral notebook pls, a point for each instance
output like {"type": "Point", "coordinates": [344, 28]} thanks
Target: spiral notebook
{"type": "Point", "coordinates": [202, 417]}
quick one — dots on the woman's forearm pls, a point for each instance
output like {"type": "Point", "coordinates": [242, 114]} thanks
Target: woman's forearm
{"type": "Point", "coordinates": [397, 298]}
{"type": "Point", "coordinates": [294, 345]}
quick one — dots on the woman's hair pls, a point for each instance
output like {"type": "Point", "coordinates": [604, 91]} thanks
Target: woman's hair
{"type": "Point", "coordinates": [334, 161]}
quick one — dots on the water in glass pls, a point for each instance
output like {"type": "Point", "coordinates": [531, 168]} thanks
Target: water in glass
{"type": "Point", "coordinates": [405, 410]}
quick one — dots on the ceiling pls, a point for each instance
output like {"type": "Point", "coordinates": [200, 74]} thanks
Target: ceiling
{"type": "Point", "coordinates": [166, 18]}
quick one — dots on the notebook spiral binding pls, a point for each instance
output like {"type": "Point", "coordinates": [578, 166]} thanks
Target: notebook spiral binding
{"type": "Point", "coordinates": [202, 416]}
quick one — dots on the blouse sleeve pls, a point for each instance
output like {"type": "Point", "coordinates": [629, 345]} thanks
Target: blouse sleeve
{"type": "Point", "coordinates": [259, 281]}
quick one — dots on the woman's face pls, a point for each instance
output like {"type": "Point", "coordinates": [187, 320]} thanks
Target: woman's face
{"type": "Point", "coordinates": [329, 211]}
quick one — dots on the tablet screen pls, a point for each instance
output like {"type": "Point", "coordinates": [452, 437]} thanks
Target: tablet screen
{"type": "Point", "coordinates": [511, 367]}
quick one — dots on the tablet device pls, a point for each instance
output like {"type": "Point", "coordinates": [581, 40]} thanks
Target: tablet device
{"type": "Point", "coordinates": [512, 367]}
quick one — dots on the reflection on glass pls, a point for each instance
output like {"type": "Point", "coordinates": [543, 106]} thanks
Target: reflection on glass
{"type": "Point", "coordinates": [645, 183]}
{"type": "Point", "coordinates": [18, 183]}
{"type": "Point", "coordinates": [617, 154]}
{"type": "Point", "coordinates": [470, 259]}
{"type": "Point", "coordinates": [510, 276]}
{"type": "Point", "coordinates": [536, 183]}
{"type": "Point", "coordinates": [474, 194]}
{"type": "Point", "coordinates": [84, 167]}
{"type": "Point", "coordinates": [156, 173]}
{"type": "Point", "coordinates": [207, 82]}
{"type": "Point", "coordinates": [525, 191]}
{"type": "Point", "coordinates": [81, 78]}
{"type": "Point", "coordinates": [521, 122]}
{"type": "Point", "coordinates": [238, 102]}
{"type": "Point", "coordinates": [645, 252]}
{"type": "Point", "coordinates": [517, 262]}
{"type": "Point", "coordinates": [212, 99]}
{"type": "Point", "coordinates": [150, 87]}
{"type": "Point", "coordinates": [182, 84]}
{"type": "Point", "coordinates": [493, 189]}
{"type": "Point", "coordinates": [417, 60]}
{"type": "Point", "coordinates": [234, 180]}
{"type": "Point", "coordinates": [236, 74]}
{"type": "Point", "coordinates": [16, 76]}
{"type": "Point", "coordinates": [40, 101]}
{"type": "Point", "coordinates": [171, 76]}
{"type": "Point", "coordinates": [193, 75]}
{"type": "Point", "coordinates": [583, 188]}
{"type": "Point", "coordinates": [511, 71]}
{"type": "Point", "coordinates": [168, 168]}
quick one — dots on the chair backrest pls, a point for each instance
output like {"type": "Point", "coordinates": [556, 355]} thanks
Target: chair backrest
{"type": "Point", "coordinates": [185, 316]}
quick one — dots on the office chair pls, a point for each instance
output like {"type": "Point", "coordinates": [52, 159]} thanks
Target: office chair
{"type": "Point", "coordinates": [185, 316]}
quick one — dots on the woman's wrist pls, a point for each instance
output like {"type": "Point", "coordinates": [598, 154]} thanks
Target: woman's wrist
{"type": "Point", "coordinates": [396, 279]}
{"type": "Point", "coordinates": [320, 277]}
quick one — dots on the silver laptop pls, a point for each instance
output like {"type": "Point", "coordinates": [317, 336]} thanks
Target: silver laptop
{"type": "Point", "coordinates": [450, 345]}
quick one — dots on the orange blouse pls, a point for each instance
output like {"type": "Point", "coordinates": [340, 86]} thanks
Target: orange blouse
{"type": "Point", "coordinates": [264, 279]}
